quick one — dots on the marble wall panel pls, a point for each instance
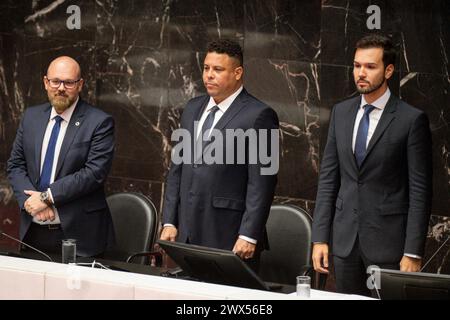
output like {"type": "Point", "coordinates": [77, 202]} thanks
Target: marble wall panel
{"type": "Point", "coordinates": [142, 61]}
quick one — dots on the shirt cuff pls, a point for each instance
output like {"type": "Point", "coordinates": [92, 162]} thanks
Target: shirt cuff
{"type": "Point", "coordinates": [415, 256]}
{"type": "Point", "coordinates": [168, 225]}
{"type": "Point", "coordinates": [50, 196]}
{"type": "Point", "coordinates": [248, 239]}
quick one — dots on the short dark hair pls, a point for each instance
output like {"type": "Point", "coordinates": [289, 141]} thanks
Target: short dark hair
{"type": "Point", "coordinates": [376, 40]}
{"type": "Point", "coordinates": [229, 47]}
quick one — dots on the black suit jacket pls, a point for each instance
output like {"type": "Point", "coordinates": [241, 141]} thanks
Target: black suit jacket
{"type": "Point", "coordinates": [387, 201]}
{"type": "Point", "coordinates": [211, 204]}
{"type": "Point", "coordinates": [83, 165]}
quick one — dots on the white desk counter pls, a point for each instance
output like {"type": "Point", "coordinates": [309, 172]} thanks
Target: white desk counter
{"type": "Point", "coordinates": [31, 279]}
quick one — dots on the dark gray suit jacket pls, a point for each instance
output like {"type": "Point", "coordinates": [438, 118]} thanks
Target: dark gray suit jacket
{"type": "Point", "coordinates": [83, 165]}
{"type": "Point", "coordinates": [211, 204]}
{"type": "Point", "coordinates": [387, 201]}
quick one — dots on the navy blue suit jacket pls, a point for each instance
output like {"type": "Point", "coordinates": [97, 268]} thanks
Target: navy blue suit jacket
{"type": "Point", "coordinates": [387, 201]}
{"type": "Point", "coordinates": [83, 165]}
{"type": "Point", "coordinates": [212, 204]}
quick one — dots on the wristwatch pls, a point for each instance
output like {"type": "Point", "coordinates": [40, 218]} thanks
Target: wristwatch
{"type": "Point", "coordinates": [45, 197]}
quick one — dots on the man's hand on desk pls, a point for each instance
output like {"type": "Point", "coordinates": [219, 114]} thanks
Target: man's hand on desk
{"type": "Point", "coordinates": [244, 249]}
{"type": "Point", "coordinates": [409, 264]}
{"type": "Point", "coordinates": [169, 233]}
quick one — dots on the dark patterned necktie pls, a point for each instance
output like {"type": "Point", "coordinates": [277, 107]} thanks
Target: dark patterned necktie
{"type": "Point", "coordinates": [361, 136]}
{"type": "Point", "coordinates": [208, 123]}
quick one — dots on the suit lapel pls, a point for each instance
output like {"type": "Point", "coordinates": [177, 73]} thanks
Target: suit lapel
{"type": "Point", "coordinates": [197, 114]}
{"type": "Point", "coordinates": [385, 120]}
{"type": "Point", "coordinates": [75, 123]}
{"type": "Point", "coordinates": [42, 124]}
{"type": "Point", "coordinates": [349, 132]}
{"type": "Point", "coordinates": [233, 110]}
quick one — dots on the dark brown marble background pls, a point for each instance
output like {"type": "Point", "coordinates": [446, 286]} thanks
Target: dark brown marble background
{"type": "Point", "coordinates": [142, 61]}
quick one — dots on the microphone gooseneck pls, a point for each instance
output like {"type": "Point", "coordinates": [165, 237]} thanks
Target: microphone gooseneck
{"type": "Point", "coordinates": [27, 245]}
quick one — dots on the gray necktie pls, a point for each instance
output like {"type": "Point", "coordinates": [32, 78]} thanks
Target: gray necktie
{"type": "Point", "coordinates": [209, 122]}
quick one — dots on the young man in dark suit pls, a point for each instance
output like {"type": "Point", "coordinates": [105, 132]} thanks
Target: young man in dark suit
{"type": "Point", "coordinates": [375, 185]}
{"type": "Point", "coordinates": [221, 205]}
{"type": "Point", "coordinates": [58, 166]}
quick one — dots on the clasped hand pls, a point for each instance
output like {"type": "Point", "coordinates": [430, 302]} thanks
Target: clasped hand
{"type": "Point", "coordinates": [37, 208]}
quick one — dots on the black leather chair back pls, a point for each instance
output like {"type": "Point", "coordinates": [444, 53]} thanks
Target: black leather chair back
{"type": "Point", "coordinates": [289, 232]}
{"type": "Point", "coordinates": [135, 222]}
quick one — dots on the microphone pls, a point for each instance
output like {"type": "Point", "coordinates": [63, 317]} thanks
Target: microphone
{"type": "Point", "coordinates": [27, 245]}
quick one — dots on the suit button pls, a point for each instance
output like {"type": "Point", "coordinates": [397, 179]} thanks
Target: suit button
{"type": "Point", "coordinates": [195, 166]}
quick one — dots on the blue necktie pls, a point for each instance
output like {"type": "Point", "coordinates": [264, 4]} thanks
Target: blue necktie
{"type": "Point", "coordinates": [361, 136]}
{"type": "Point", "coordinates": [209, 122]}
{"type": "Point", "coordinates": [46, 173]}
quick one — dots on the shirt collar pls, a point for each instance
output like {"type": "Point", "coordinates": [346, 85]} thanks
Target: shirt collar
{"type": "Point", "coordinates": [67, 114]}
{"type": "Point", "coordinates": [225, 104]}
{"type": "Point", "coordinates": [380, 103]}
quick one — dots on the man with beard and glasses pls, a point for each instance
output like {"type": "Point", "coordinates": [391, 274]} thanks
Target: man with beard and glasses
{"type": "Point", "coordinates": [375, 185]}
{"type": "Point", "coordinates": [58, 166]}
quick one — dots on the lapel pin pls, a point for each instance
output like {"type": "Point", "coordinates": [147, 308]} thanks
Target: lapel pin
{"type": "Point", "coordinates": [77, 123]}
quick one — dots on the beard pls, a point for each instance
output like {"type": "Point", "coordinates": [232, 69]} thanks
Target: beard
{"type": "Point", "coordinates": [60, 101]}
{"type": "Point", "coordinates": [371, 87]}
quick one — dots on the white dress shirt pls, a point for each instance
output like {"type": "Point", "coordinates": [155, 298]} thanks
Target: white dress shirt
{"type": "Point", "coordinates": [374, 116]}
{"type": "Point", "coordinates": [223, 107]}
{"type": "Point", "coordinates": [66, 115]}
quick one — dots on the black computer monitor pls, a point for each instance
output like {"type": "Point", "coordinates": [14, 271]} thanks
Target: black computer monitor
{"type": "Point", "coordinates": [397, 285]}
{"type": "Point", "coordinates": [212, 265]}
